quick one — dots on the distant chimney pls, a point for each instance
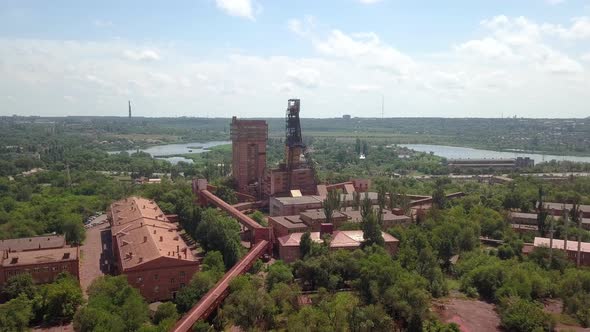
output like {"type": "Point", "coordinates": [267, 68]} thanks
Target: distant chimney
{"type": "Point", "coordinates": [161, 238]}
{"type": "Point", "coordinates": [145, 239]}
{"type": "Point", "coordinates": [326, 229]}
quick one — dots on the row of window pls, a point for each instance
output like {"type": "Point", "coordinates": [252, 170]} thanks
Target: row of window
{"type": "Point", "coordinates": [182, 275]}
{"type": "Point", "coordinates": [38, 270]}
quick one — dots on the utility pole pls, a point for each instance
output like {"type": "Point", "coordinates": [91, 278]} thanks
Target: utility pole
{"type": "Point", "coordinates": [550, 241]}
{"type": "Point", "coordinates": [68, 177]}
{"type": "Point", "coordinates": [565, 225]}
{"type": "Point", "coordinates": [382, 106]}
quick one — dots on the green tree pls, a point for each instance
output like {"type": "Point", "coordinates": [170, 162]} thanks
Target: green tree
{"type": "Point", "coordinates": [166, 310]}
{"type": "Point", "coordinates": [278, 272]}
{"type": "Point", "coordinates": [305, 244]}
{"type": "Point", "coordinates": [221, 233]}
{"type": "Point", "coordinates": [247, 305]}
{"type": "Point", "coordinates": [58, 301]}
{"type": "Point", "coordinates": [113, 305]}
{"type": "Point", "coordinates": [330, 204]}
{"type": "Point", "coordinates": [520, 315]}
{"type": "Point", "coordinates": [371, 230]}
{"type": "Point", "coordinates": [74, 231]}
{"type": "Point", "coordinates": [19, 284]}
{"type": "Point", "coordinates": [259, 218]}
{"type": "Point", "coordinates": [16, 314]}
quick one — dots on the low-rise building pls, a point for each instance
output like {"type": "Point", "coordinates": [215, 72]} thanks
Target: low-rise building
{"type": "Point", "coordinates": [289, 245]}
{"type": "Point", "coordinates": [571, 248]}
{"type": "Point", "coordinates": [149, 250]}
{"type": "Point", "coordinates": [523, 218]}
{"type": "Point", "coordinates": [43, 257]}
{"type": "Point", "coordinates": [558, 208]}
{"type": "Point", "coordinates": [43, 265]}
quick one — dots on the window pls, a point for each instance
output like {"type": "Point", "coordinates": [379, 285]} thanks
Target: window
{"type": "Point", "coordinates": [54, 268]}
{"type": "Point", "coordinates": [182, 285]}
{"type": "Point", "coordinates": [172, 280]}
{"type": "Point", "coordinates": [156, 277]}
{"type": "Point", "coordinates": [139, 279]}
{"type": "Point", "coordinates": [156, 289]}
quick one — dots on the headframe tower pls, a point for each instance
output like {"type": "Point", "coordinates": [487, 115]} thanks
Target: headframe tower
{"type": "Point", "coordinates": [294, 146]}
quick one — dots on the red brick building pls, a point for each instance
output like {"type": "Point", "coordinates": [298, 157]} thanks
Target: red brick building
{"type": "Point", "coordinates": [289, 245]}
{"type": "Point", "coordinates": [149, 250]}
{"type": "Point", "coordinates": [43, 257]}
{"type": "Point", "coordinates": [571, 249]}
{"type": "Point", "coordinates": [249, 154]}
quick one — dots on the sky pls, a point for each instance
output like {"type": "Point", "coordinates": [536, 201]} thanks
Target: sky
{"type": "Point", "coordinates": [219, 58]}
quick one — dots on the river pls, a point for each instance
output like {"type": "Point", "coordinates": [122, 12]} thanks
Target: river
{"type": "Point", "coordinates": [454, 152]}
{"type": "Point", "coordinates": [169, 152]}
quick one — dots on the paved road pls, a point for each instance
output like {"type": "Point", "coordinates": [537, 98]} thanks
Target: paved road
{"type": "Point", "coordinates": [96, 254]}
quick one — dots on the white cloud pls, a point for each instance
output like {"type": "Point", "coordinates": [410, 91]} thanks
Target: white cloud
{"type": "Point", "coordinates": [145, 55]}
{"type": "Point", "coordinates": [69, 99]}
{"type": "Point", "coordinates": [240, 8]}
{"type": "Point", "coordinates": [365, 48]}
{"type": "Point", "coordinates": [304, 77]}
{"type": "Point", "coordinates": [301, 27]}
{"type": "Point", "coordinates": [369, 2]}
{"type": "Point", "coordinates": [364, 87]}
{"type": "Point", "coordinates": [488, 47]}
{"type": "Point", "coordinates": [515, 64]}
{"type": "Point", "coordinates": [585, 57]}
{"type": "Point", "coordinates": [522, 41]}
{"type": "Point", "coordinates": [103, 23]}
{"type": "Point", "coordinates": [555, 2]}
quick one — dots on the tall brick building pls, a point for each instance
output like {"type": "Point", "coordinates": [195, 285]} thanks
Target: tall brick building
{"type": "Point", "coordinates": [149, 250]}
{"type": "Point", "coordinates": [249, 154]}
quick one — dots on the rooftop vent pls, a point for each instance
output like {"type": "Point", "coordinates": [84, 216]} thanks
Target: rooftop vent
{"type": "Point", "coordinates": [161, 239]}
{"type": "Point", "coordinates": [145, 239]}
{"type": "Point", "coordinates": [66, 255]}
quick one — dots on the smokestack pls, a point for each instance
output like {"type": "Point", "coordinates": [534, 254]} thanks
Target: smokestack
{"type": "Point", "coordinates": [129, 109]}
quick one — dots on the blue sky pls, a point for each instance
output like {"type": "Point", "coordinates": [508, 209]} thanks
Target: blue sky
{"type": "Point", "coordinates": [528, 58]}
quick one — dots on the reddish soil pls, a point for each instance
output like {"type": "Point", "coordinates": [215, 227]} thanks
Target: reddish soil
{"type": "Point", "coordinates": [556, 307]}
{"type": "Point", "coordinates": [63, 328]}
{"type": "Point", "coordinates": [470, 315]}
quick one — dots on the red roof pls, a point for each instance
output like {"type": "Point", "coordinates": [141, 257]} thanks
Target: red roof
{"type": "Point", "coordinates": [340, 239]}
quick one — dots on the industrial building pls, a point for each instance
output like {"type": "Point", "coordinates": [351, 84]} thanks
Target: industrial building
{"type": "Point", "coordinates": [295, 172]}
{"type": "Point", "coordinates": [289, 245]}
{"type": "Point", "coordinates": [249, 154]}
{"type": "Point", "coordinates": [311, 220]}
{"type": "Point", "coordinates": [43, 257]}
{"type": "Point", "coordinates": [570, 247]}
{"type": "Point", "coordinates": [496, 164]}
{"type": "Point", "coordinates": [149, 249]}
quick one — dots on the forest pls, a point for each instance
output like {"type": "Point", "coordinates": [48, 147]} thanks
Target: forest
{"type": "Point", "coordinates": [440, 255]}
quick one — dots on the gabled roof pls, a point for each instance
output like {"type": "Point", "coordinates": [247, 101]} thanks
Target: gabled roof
{"type": "Point", "coordinates": [40, 257]}
{"type": "Point", "coordinates": [144, 234]}
{"type": "Point", "coordinates": [133, 208]}
{"type": "Point", "coordinates": [33, 243]}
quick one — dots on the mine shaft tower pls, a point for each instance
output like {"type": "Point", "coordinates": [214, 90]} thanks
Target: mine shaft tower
{"type": "Point", "coordinates": [294, 146]}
